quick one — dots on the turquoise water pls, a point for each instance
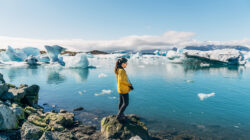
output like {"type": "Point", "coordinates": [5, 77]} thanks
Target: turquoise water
{"type": "Point", "coordinates": [165, 95]}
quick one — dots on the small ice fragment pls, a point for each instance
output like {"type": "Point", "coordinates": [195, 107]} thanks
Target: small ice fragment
{"type": "Point", "coordinates": [236, 126]}
{"type": "Point", "coordinates": [203, 96]}
{"type": "Point", "coordinates": [112, 97]}
{"type": "Point", "coordinates": [101, 75]}
{"type": "Point", "coordinates": [104, 91]}
{"type": "Point", "coordinates": [189, 81]}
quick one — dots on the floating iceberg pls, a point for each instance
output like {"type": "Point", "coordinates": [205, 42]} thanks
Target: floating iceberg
{"type": "Point", "coordinates": [173, 54]}
{"type": "Point", "coordinates": [203, 96]}
{"type": "Point", "coordinates": [53, 52]}
{"type": "Point", "coordinates": [90, 55]}
{"type": "Point", "coordinates": [43, 58]}
{"type": "Point", "coordinates": [31, 60]}
{"type": "Point", "coordinates": [31, 51]}
{"type": "Point", "coordinates": [18, 55]}
{"type": "Point", "coordinates": [78, 61]}
{"type": "Point", "coordinates": [157, 52]}
{"type": "Point", "coordinates": [226, 56]}
{"type": "Point", "coordinates": [12, 55]}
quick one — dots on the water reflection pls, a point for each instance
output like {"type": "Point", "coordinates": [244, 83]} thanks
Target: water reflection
{"type": "Point", "coordinates": [79, 74]}
{"type": "Point", "coordinates": [54, 77]}
{"type": "Point", "coordinates": [180, 71]}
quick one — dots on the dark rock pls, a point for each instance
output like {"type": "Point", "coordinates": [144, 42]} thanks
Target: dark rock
{"type": "Point", "coordinates": [185, 137]}
{"type": "Point", "coordinates": [78, 109]}
{"type": "Point", "coordinates": [8, 118]}
{"type": "Point", "coordinates": [30, 131]}
{"type": "Point", "coordinates": [23, 85]}
{"type": "Point", "coordinates": [3, 89]}
{"type": "Point", "coordinates": [111, 128]}
{"type": "Point", "coordinates": [1, 79]}
{"type": "Point", "coordinates": [62, 111]}
{"type": "Point", "coordinates": [10, 135]}
{"type": "Point", "coordinates": [2, 137]}
{"type": "Point", "coordinates": [49, 135]}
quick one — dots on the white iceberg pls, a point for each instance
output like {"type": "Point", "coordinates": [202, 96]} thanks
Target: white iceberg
{"type": "Point", "coordinates": [90, 55]}
{"type": "Point", "coordinates": [173, 54]}
{"type": "Point", "coordinates": [80, 60]}
{"type": "Point", "coordinates": [53, 52]}
{"type": "Point", "coordinates": [203, 96]}
{"type": "Point", "coordinates": [225, 56]}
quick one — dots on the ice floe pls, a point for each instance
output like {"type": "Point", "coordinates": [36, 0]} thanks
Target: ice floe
{"type": "Point", "coordinates": [101, 75]}
{"type": "Point", "coordinates": [225, 56]}
{"type": "Point", "coordinates": [104, 91]}
{"type": "Point", "coordinates": [203, 96]}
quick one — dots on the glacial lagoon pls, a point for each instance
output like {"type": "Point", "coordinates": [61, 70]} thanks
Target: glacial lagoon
{"type": "Point", "coordinates": [208, 102]}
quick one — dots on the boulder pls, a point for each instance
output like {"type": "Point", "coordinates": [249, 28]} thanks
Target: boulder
{"type": "Point", "coordinates": [31, 97]}
{"type": "Point", "coordinates": [4, 137]}
{"type": "Point", "coordinates": [30, 131]}
{"type": "Point", "coordinates": [3, 89]}
{"type": "Point", "coordinates": [52, 121]}
{"type": "Point", "coordinates": [49, 135]}
{"type": "Point", "coordinates": [23, 94]}
{"type": "Point", "coordinates": [111, 128]}
{"type": "Point", "coordinates": [1, 79]}
{"type": "Point", "coordinates": [8, 118]}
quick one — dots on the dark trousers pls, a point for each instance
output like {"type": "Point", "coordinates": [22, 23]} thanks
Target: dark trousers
{"type": "Point", "coordinates": [123, 103]}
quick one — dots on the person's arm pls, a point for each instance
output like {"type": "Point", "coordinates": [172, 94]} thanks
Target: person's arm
{"type": "Point", "coordinates": [122, 76]}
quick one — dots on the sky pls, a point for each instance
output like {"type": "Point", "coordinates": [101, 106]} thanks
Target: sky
{"type": "Point", "coordinates": [113, 23]}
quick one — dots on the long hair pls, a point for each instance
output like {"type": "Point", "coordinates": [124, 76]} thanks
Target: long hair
{"type": "Point", "coordinates": [118, 64]}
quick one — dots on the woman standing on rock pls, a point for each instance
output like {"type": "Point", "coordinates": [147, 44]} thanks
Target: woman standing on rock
{"type": "Point", "coordinates": [123, 86]}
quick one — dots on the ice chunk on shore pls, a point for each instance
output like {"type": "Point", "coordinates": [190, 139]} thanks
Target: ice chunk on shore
{"type": "Point", "coordinates": [53, 52]}
{"type": "Point", "coordinates": [203, 96]}
{"type": "Point", "coordinates": [78, 61]}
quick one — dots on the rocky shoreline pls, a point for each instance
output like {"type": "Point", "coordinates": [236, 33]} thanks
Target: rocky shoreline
{"type": "Point", "coordinates": [22, 118]}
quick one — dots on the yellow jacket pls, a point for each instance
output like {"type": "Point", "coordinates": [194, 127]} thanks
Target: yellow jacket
{"type": "Point", "coordinates": [122, 82]}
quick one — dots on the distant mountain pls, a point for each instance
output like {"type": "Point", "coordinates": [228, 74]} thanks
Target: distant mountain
{"type": "Point", "coordinates": [97, 52]}
{"type": "Point", "coordinates": [216, 47]}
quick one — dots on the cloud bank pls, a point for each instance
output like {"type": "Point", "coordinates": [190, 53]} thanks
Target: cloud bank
{"type": "Point", "coordinates": [167, 40]}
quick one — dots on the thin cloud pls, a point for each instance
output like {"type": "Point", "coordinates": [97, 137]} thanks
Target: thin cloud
{"type": "Point", "coordinates": [167, 40]}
